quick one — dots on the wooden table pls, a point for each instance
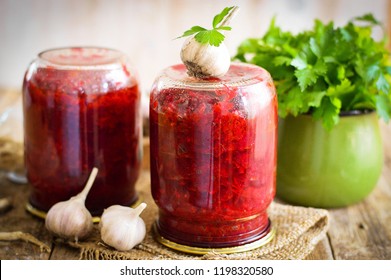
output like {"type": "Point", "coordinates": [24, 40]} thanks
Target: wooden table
{"type": "Point", "coordinates": [361, 231]}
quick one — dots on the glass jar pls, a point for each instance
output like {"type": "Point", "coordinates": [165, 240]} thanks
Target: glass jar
{"type": "Point", "coordinates": [213, 158]}
{"type": "Point", "coordinates": [81, 110]}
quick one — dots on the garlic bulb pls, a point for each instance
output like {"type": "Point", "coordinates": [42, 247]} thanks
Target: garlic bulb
{"type": "Point", "coordinates": [70, 219]}
{"type": "Point", "coordinates": [204, 53]}
{"type": "Point", "coordinates": [204, 60]}
{"type": "Point", "coordinates": [121, 227]}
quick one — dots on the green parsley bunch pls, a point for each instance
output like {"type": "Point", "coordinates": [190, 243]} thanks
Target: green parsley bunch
{"type": "Point", "coordinates": [326, 70]}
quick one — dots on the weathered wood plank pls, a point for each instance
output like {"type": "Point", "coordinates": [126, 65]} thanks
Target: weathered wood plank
{"type": "Point", "coordinates": [64, 252]}
{"type": "Point", "coordinates": [18, 220]}
{"type": "Point", "coordinates": [322, 251]}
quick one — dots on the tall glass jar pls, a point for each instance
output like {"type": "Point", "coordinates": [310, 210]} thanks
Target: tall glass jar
{"type": "Point", "coordinates": [213, 158]}
{"type": "Point", "coordinates": [81, 110]}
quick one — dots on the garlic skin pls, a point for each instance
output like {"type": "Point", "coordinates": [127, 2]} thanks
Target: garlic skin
{"type": "Point", "coordinates": [70, 219]}
{"type": "Point", "coordinates": [122, 227]}
{"type": "Point", "coordinates": [204, 60]}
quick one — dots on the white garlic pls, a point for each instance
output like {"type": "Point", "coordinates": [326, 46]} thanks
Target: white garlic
{"type": "Point", "coordinates": [204, 60]}
{"type": "Point", "coordinates": [208, 59]}
{"type": "Point", "coordinates": [122, 227]}
{"type": "Point", "coordinates": [70, 219]}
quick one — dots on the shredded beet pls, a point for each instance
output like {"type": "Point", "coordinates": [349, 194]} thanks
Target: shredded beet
{"type": "Point", "coordinates": [77, 120]}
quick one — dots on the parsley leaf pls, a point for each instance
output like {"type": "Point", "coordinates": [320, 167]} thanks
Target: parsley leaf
{"type": "Point", "coordinates": [219, 18]}
{"type": "Point", "coordinates": [368, 18]}
{"type": "Point", "coordinates": [325, 70]}
{"type": "Point", "coordinates": [212, 36]}
{"type": "Point", "coordinates": [194, 29]}
{"type": "Point", "coordinates": [328, 111]}
{"type": "Point", "coordinates": [383, 106]}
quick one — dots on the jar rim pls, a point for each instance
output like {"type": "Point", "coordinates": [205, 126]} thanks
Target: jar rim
{"type": "Point", "coordinates": [82, 57]}
{"type": "Point", "coordinates": [239, 74]}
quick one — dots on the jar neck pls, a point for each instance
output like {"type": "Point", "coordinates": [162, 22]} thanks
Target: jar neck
{"type": "Point", "coordinates": [82, 58]}
{"type": "Point", "coordinates": [239, 75]}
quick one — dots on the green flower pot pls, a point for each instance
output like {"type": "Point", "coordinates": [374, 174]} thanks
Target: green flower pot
{"type": "Point", "coordinates": [327, 169]}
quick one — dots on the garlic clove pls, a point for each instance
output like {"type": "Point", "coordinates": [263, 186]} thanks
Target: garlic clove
{"type": "Point", "coordinates": [121, 227]}
{"type": "Point", "coordinates": [204, 60]}
{"type": "Point", "coordinates": [70, 219]}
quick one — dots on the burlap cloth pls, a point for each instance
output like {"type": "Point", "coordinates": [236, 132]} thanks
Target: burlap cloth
{"type": "Point", "coordinates": [298, 229]}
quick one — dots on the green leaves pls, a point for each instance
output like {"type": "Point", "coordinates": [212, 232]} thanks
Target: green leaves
{"type": "Point", "coordinates": [328, 111]}
{"type": "Point", "coordinates": [383, 106]}
{"type": "Point", "coordinates": [212, 36]}
{"type": "Point", "coordinates": [219, 18]}
{"type": "Point", "coordinates": [191, 31]}
{"type": "Point", "coordinates": [325, 70]}
{"type": "Point", "coordinates": [368, 18]}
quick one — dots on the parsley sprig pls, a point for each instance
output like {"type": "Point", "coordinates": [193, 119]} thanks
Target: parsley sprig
{"type": "Point", "coordinates": [212, 36]}
{"type": "Point", "coordinates": [325, 70]}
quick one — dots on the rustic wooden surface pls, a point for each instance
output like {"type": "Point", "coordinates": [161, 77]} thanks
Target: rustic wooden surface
{"type": "Point", "coordinates": [361, 231]}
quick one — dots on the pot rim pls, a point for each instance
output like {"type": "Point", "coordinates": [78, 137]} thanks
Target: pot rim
{"type": "Point", "coordinates": [355, 112]}
{"type": "Point", "coordinates": [350, 113]}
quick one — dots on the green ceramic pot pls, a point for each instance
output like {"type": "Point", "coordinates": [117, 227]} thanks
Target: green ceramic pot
{"type": "Point", "coordinates": [335, 168]}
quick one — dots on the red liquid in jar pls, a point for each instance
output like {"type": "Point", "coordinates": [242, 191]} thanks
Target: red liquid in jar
{"type": "Point", "coordinates": [213, 157]}
{"type": "Point", "coordinates": [74, 121]}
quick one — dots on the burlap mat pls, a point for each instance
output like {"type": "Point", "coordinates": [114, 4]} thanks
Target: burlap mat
{"type": "Point", "coordinates": [298, 230]}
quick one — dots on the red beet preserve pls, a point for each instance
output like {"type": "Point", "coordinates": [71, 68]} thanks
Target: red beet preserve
{"type": "Point", "coordinates": [213, 157]}
{"type": "Point", "coordinates": [81, 110]}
